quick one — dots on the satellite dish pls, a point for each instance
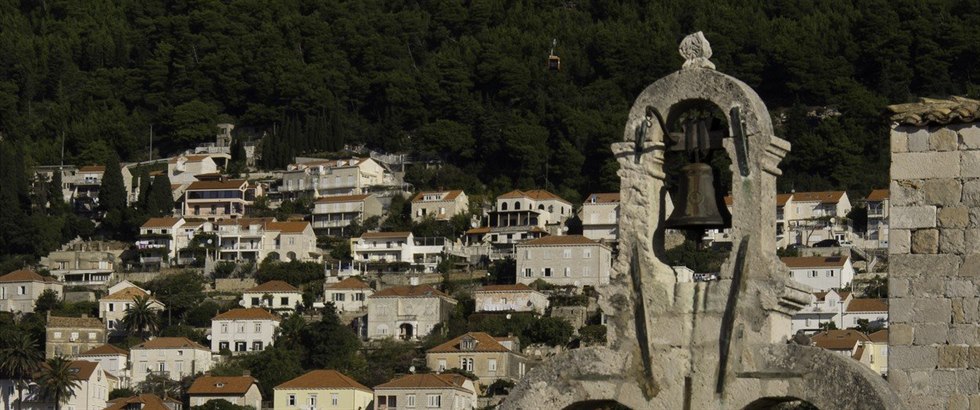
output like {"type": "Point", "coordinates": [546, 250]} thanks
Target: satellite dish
{"type": "Point", "coordinates": [241, 302]}
{"type": "Point", "coordinates": [411, 369]}
{"type": "Point", "coordinates": [474, 224]}
{"type": "Point", "coordinates": [564, 229]}
{"type": "Point", "coordinates": [209, 337]}
{"type": "Point", "coordinates": [508, 316]}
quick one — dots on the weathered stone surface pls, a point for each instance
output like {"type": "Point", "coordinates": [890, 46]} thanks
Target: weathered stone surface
{"type": "Point", "coordinates": [914, 357]}
{"type": "Point", "coordinates": [899, 141]}
{"type": "Point", "coordinates": [918, 141]}
{"type": "Point", "coordinates": [933, 266]}
{"type": "Point", "coordinates": [953, 356]}
{"type": "Point", "coordinates": [900, 310]}
{"type": "Point", "coordinates": [898, 288]}
{"type": "Point", "coordinates": [942, 192]}
{"type": "Point", "coordinates": [901, 334]}
{"type": "Point", "coordinates": [969, 136]}
{"type": "Point", "coordinates": [913, 217]}
{"type": "Point", "coordinates": [954, 217]}
{"type": "Point", "coordinates": [960, 334]}
{"type": "Point", "coordinates": [925, 241]}
{"type": "Point", "coordinates": [965, 310]}
{"type": "Point", "coordinates": [943, 139]}
{"type": "Point", "coordinates": [974, 356]}
{"type": "Point", "coordinates": [970, 164]}
{"type": "Point", "coordinates": [967, 381]}
{"type": "Point", "coordinates": [951, 241]}
{"type": "Point", "coordinates": [932, 333]}
{"type": "Point", "coordinates": [899, 241]}
{"type": "Point", "coordinates": [931, 311]}
{"type": "Point", "coordinates": [960, 288]}
{"type": "Point", "coordinates": [971, 193]}
{"type": "Point", "coordinates": [971, 241]}
{"type": "Point", "coordinates": [905, 192]}
{"type": "Point", "coordinates": [925, 165]}
{"type": "Point", "coordinates": [958, 402]}
{"type": "Point", "coordinates": [970, 266]}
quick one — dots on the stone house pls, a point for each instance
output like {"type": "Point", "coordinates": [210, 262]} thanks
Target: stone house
{"type": "Point", "coordinates": [69, 336]}
{"type": "Point", "coordinates": [322, 390]}
{"type": "Point", "coordinates": [407, 312]}
{"type": "Point", "coordinates": [874, 353]}
{"type": "Point", "coordinates": [877, 204]}
{"type": "Point", "coordinates": [171, 357]}
{"type": "Point", "coordinates": [332, 215]}
{"type": "Point", "coordinates": [183, 169]}
{"type": "Point", "coordinates": [875, 311]}
{"type": "Point", "coordinates": [480, 354]}
{"type": "Point", "coordinates": [112, 359]}
{"type": "Point", "coordinates": [244, 330]}
{"type": "Point", "coordinates": [822, 273]}
{"type": "Point", "coordinates": [824, 307]}
{"type": "Point", "coordinates": [431, 391]}
{"type": "Point", "coordinates": [348, 295]}
{"type": "Point", "coordinates": [600, 217]}
{"type": "Point", "coordinates": [20, 289]}
{"type": "Point", "coordinates": [255, 239]}
{"type": "Point", "coordinates": [510, 298]}
{"type": "Point", "coordinates": [323, 177]}
{"type": "Point", "coordinates": [112, 307]}
{"type": "Point", "coordinates": [84, 185]}
{"type": "Point", "coordinates": [91, 393]}
{"type": "Point", "coordinates": [815, 216]}
{"type": "Point", "coordinates": [160, 239]}
{"type": "Point", "coordinates": [237, 390]}
{"type": "Point", "coordinates": [841, 341]}
{"type": "Point", "coordinates": [221, 199]}
{"type": "Point", "coordinates": [274, 294]}
{"type": "Point", "coordinates": [523, 215]}
{"type": "Point", "coordinates": [567, 260]}
{"type": "Point", "coordinates": [144, 402]}
{"type": "Point", "coordinates": [439, 205]}
{"type": "Point", "coordinates": [85, 263]}
{"type": "Point", "coordinates": [425, 253]}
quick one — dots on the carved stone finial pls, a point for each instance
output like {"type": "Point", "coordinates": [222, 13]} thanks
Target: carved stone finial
{"type": "Point", "coordinates": [696, 51]}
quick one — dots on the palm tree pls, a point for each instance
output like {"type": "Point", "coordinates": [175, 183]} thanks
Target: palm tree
{"type": "Point", "coordinates": [141, 317]}
{"type": "Point", "coordinates": [20, 359]}
{"type": "Point", "coordinates": [58, 380]}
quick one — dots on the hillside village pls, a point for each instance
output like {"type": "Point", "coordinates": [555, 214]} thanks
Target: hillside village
{"type": "Point", "coordinates": [333, 283]}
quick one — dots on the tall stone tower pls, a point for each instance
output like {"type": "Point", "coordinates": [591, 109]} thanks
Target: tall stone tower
{"type": "Point", "coordinates": [934, 261]}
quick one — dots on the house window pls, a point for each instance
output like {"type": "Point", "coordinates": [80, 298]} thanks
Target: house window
{"type": "Point", "coordinates": [830, 274]}
{"type": "Point", "coordinates": [256, 346]}
{"type": "Point", "coordinates": [466, 364]}
{"type": "Point", "coordinates": [359, 297]}
{"type": "Point", "coordinates": [255, 302]}
{"type": "Point", "coordinates": [161, 366]}
{"type": "Point", "coordinates": [433, 400]}
{"type": "Point", "coordinates": [812, 274]}
{"type": "Point", "coordinates": [224, 328]}
{"type": "Point", "coordinates": [547, 272]}
{"type": "Point", "coordinates": [241, 328]}
{"type": "Point", "coordinates": [492, 365]}
{"type": "Point", "coordinates": [410, 400]}
{"type": "Point", "coordinates": [112, 307]}
{"type": "Point", "coordinates": [586, 270]}
{"type": "Point", "coordinates": [284, 301]}
{"type": "Point", "coordinates": [587, 253]}
{"type": "Point", "coordinates": [334, 399]}
{"type": "Point", "coordinates": [338, 297]}
{"type": "Point", "coordinates": [180, 367]}
{"type": "Point", "coordinates": [568, 272]}
{"type": "Point", "coordinates": [390, 401]}
{"type": "Point", "coordinates": [91, 335]}
{"type": "Point", "coordinates": [442, 364]}
{"type": "Point", "coordinates": [240, 347]}
{"type": "Point", "coordinates": [222, 345]}
{"type": "Point", "coordinates": [566, 253]}
{"type": "Point", "coordinates": [312, 400]}
{"type": "Point", "coordinates": [527, 272]}
{"type": "Point", "coordinates": [258, 328]}
{"type": "Point", "coordinates": [57, 335]}
{"type": "Point", "coordinates": [21, 290]}
{"type": "Point", "coordinates": [291, 400]}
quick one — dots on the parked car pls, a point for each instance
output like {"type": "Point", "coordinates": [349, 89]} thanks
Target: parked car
{"type": "Point", "coordinates": [827, 243]}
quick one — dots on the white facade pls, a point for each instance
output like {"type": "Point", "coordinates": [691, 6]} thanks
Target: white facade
{"type": "Point", "coordinates": [20, 289]}
{"type": "Point", "coordinates": [112, 308]}
{"type": "Point", "coordinates": [407, 312]}
{"type": "Point", "coordinates": [243, 330]}
{"type": "Point", "coordinates": [564, 260]}
{"type": "Point", "coordinates": [816, 216]}
{"type": "Point", "coordinates": [275, 295]}
{"type": "Point", "coordinates": [92, 393]}
{"type": "Point", "coordinates": [112, 359]}
{"type": "Point", "coordinates": [160, 237]}
{"type": "Point", "coordinates": [821, 273]}
{"type": "Point", "coordinates": [427, 391]}
{"type": "Point", "coordinates": [523, 215]}
{"type": "Point", "coordinates": [824, 307]}
{"type": "Point", "coordinates": [348, 295]}
{"type": "Point", "coordinates": [172, 357]}
{"type": "Point", "coordinates": [254, 239]}
{"type": "Point", "coordinates": [875, 311]}
{"type": "Point", "coordinates": [184, 168]}
{"type": "Point", "coordinates": [398, 247]}
{"type": "Point", "coordinates": [334, 214]}
{"type": "Point", "coordinates": [510, 298]}
{"type": "Point", "coordinates": [336, 177]}
{"type": "Point", "coordinates": [600, 217]}
{"type": "Point", "coordinates": [877, 205]}
{"type": "Point", "coordinates": [440, 205]}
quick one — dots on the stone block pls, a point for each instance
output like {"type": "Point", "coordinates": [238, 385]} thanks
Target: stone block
{"type": "Point", "coordinates": [971, 241]}
{"type": "Point", "coordinates": [900, 334]}
{"type": "Point", "coordinates": [918, 141]}
{"type": "Point", "coordinates": [900, 310]}
{"type": "Point", "coordinates": [899, 141]}
{"type": "Point", "coordinates": [968, 381]}
{"type": "Point", "coordinates": [928, 287]}
{"type": "Point", "coordinates": [926, 402]}
{"type": "Point", "coordinates": [915, 357]}
{"type": "Point", "coordinates": [951, 241]}
{"type": "Point", "coordinates": [960, 288]}
{"type": "Point", "coordinates": [961, 334]}
{"type": "Point", "coordinates": [971, 193]}
{"type": "Point", "coordinates": [925, 241]}
{"type": "Point", "coordinates": [970, 164]}
{"type": "Point", "coordinates": [942, 192]}
{"type": "Point", "coordinates": [975, 402]}
{"type": "Point", "coordinates": [912, 217]}
{"type": "Point", "coordinates": [925, 165]}
{"type": "Point", "coordinates": [914, 266]}
{"type": "Point", "coordinates": [970, 266]}
{"type": "Point", "coordinates": [974, 356]}
{"type": "Point", "coordinates": [943, 139]}
{"type": "Point", "coordinates": [969, 136]}
{"type": "Point", "coordinates": [958, 402]}
{"type": "Point", "coordinates": [933, 334]}
{"type": "Point", "coordinates": [899, 241]}
{"type": "Point", "coordinates": [898, 288]}
{"type": "Point", "coordinates": [929, 310]}
{"type": "Point", "coordinates": [964, 310]}
{"type": "Point", "coordinates": [905, 193]}
{"type": "Point", "coordinates": [943, 382]}
{"type": "Point", "coordinates": [954, 216]}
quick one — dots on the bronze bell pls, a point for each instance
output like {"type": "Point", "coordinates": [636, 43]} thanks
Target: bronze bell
{"type": "Point", "coordinates": [696, 205]}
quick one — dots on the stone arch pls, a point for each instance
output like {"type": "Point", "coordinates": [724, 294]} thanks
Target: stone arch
{"type": "Point", "coordinates": [503, 206]}
{"type": "Point", "coordinates": [597, 405]}
{"type": "Point", "coordinates": [775, 403]}
{"type": "Point", "coordinates": [291, 255]}
{"type": "Point", "coordinates": [517, 205]}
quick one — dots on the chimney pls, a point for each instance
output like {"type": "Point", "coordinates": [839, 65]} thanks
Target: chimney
{"type": "Point", "coordinates": [246, 372]}
{"type": "Point", "coordinates": [414, 281]}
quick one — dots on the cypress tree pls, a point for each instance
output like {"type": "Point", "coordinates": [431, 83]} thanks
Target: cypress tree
{"type": "Point", "coordinates": [56, 197]}
{"type": "Point", "coordinates": [160, 200]}
{"type": "Point", "coordinates": [112, 193]}
{"type": "Point", "coordinates": [144, 181]}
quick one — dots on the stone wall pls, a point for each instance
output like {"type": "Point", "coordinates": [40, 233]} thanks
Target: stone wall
{"type": "Point", "coordinates": [934, 267]}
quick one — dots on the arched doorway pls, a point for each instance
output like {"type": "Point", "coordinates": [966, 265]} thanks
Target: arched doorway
{"type": "Point", "coordinates": [780, 403]}
{"type": "Point", "coordinates": [597, 405]}
{"type": "Point", "coordinates": [406, 331]}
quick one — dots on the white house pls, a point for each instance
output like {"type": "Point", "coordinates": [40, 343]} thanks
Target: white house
{"type": "Point", "coordinates": [255, 239]}
{"type": "Point", "coordinates": [824, 307]}
{"type": "Point", "coordinates": [243, 330]}
{"type": "Point", "coordinates": [237, 390]}
{"type": "Point", "coordinates": [821, 273]}
{"type": "Point", "coordinates": [112, 359]}
{"type": "Point", "coordinates": [160, 239]}
{"type": "Point", "coordinates": [408, 312]}
{"type": "Point", "coordinates": [184, 169]}
{"type": "Point", "coordinates": [510, 298]}
{"type": "Point", "coordinates": [274, 294]}
{"type": "Point", "coordinates": [600, 217]}
{"type": "Point", "coordinates": [20, 289]}
{"type": "Point", "coordinates": [333, 215]}
{"type": "Point", "coordinates": [348, 295]}
{"type": "Point", "coordinates": [875, 311]}
{"type": "Point", "coordinates": [171, 357]}
{"type": "Point", "coordinates": [877, 204]}
{"type": "Point", "coordinates": [325, 177]}
{"type": "Point", "coordinates": [92, 393]}
{"type": "Point", "coordinates": [112, 308]}
{"type": "Point", "coordinates": [399, 247]}
{"type": "Point", "coordinates": [522, 215]}
{"type": "Point", "coordinates": [815, 216]}
{"type": "Point", "coordinates": [439, 205]}
{"type": "Point", "coordinates": [564, 260]}
{"type": "Point", "coordinates": [429, 391]}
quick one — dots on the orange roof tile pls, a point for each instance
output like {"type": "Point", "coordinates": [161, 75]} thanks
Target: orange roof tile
{"type": "Point", "coordinates": [83, 369]}
{"type": "Point", "coordinates": [221, 385]}
{"type": "Point", "coordinates": [825, 197]}
{"type": "Point", "coordinates": [426, 381]}
{"type": "Point", "coordinates": [145, 402]}
{"type": "Point", "coordinates": [323, 379]}
{"type": "Point", "coordinates": [815, 261]}
{"type": "Point", "coordinates": [838, 339]}
{"type": "Point", "coordinates": [247, 314]}
{"type": "Point", "coordinates": [447, 195]}
{"type": "Point", "coordinates": [105, 350]}
{"type": "Point", "coordinates": [868, 305]}
{"type": "Point", "coordinates": [288, 227]}
{"type": "Point", "coordinates": [782, 199]}
{"type": "Point", "coordinates": [877, 195]}
{"type": "Point", "coordinates": [273, 286]}
{"type": "Point", "coordinates": [87, 323]}
{"type": "Point", "coordinates": [410, 292]}
{"type": "Point", "coordinates": [478, 230]}
{"type": "Point", "coordinates": [559, 240]}
{"type": "Point", "coordinates": [26, 275]}
{"type": "Point", "coordinates": [342, 198]}
{"type": "Point", "coordinates": [880, 336]}
{"type": "Point", "coordinates": [170, 343]}
{"type": "Point", "coordinates": [126, 294]}
{"type": "Point", "coordinates": [484, 343]}
{"type": "Point", "coordinates": [603, 198]}
{"type": "Point", "coordinates": [535, 194]}
{"type": "Point", "coordinates": [229, 184]}
{"type": "Point", "coordinates": [379, 235]}
{"type": "Point", "coordinates": [349, 283]}
{"type": "Point", "coordinates": [520, 287]}
{"type": "Point", "coordinates": [160, 223]}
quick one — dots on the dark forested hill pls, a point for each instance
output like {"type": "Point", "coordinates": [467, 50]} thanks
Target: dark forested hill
{"type": "Point", "coordinates": [465, 81]}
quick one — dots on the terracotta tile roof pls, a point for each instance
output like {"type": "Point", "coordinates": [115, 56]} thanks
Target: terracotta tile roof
{"type": "Point", "coordinates": [868, 305]}
{"type": "Point", "coordinates": [379, 235]}
{"type": "Point", "coordinates": [126, 294]}
{"type": "Point", "coordinates": [520, 287]}
{"type": "Point", "coordinates": [838, 339]}
{"type": "Point", "coordinates": [349, 283]}
{"type": "Point", "coordinates": [782, 199]}
{"type": "Point", "coordinates": [247, 314]}
{"type": "Point", "coordinates": [933, 111]}
{"type": "Point", "coordinates": [880, 336]}
{"type": "Point", "coordinates": [196, 158]}
{"type": "Point", "coordinates": [146, 402]}
{"type": "Point", "coordinates": [288, 227]}
{"type": "Point", "coordinates": [160, 223]}
{"type": "Point", "coordinates": [535, 194]}
{"type": "Point", "coordinates": [484, 343]}
{"type": "Point", "coordinates": [323, 379]}
{"type": "Point", "coordinates": [877, 195]}
{"type": "Point", "coordinates": [826, 197]}
{"type": "Point", "coordinates": [221, 385]}
{"type": "Point", "coordinates": [273, 286]}
{"type": "Point", "coordinates": [426, 381]}
{"type": "Point", "coordinates": [105, 350]}
{"type": "Point", "coordinates": [814, 261]}
{"type": "Point", "coordinates": [602, 198]}
{"type": "Point", "coordinates": [418, 291]}
{"type": "Point", "coordinates": [559, 240]}
{"type": "Point", "coordinates": [26, 275]}
{"type": "Point", "coordinates": [229, 184]}
{"type": "Point", "coordinates": [447, 195]}
{"type": "Point", "coordinates": [83, 369]}
{"type": "Point", "coordinates": [92, 168]}
{"type": "Point", "coordinates": [170, 343]}
{"type": "Point", "coordinates": [342, 198]}
{"type": "Point", "coordinates": [482, 229]}
{"type": "Point", "coordinates": [75, 322]}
